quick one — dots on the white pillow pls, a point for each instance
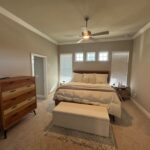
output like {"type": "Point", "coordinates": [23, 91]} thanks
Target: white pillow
{"type": "Point", "coordinates": [89, 78]}
{"type": "Point", "coordinates": [77, 77]}
{"type": "Point", "coordinates": [101, 78]}
{"type": "Point", "coordinates": [85, 78]}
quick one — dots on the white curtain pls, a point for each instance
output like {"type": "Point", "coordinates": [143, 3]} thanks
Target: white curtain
{"type": "Point", "coordinates": [65, 67]}
{"type": "Point", "coordinates": [119, 68]}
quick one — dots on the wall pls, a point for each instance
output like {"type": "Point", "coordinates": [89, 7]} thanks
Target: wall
{"type": "Point", "coordinates": [101, 46]}
{"type": "Point", "coordinates": [16, 46]}
{"type": "Point", "coordinates": [140, 74]}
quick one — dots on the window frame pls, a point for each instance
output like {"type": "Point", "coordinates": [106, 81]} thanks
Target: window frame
{"type": "Point", "coordinates": [99, 59]}
{"type": "Point", "coordinates": [76, 57]}
{"type": "Point", "coordinates": [90, 60]}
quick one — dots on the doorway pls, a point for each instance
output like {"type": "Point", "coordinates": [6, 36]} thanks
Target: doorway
{"type": "Point", "coordinates": [39, 63]}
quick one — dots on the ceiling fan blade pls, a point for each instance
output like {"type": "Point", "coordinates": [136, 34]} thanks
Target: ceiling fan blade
{"type": "Point", "coordinates": [91, 38]}
{"type": "Point", "coordinates": [80, 41]}
{"type": "Point", "coordinates": [100, 33]}
{"type": "Point", "coordinates": [70, 36]}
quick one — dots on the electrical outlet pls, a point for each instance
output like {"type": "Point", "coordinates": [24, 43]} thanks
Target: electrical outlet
{"type": "Point", "coordinates": [134, 95]}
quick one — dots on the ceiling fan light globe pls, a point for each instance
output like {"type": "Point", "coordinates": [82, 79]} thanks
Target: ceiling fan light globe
{"type": "Point", "coordinates": [86, 37]}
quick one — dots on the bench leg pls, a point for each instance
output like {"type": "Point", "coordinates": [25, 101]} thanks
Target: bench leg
{"type": "Point", "coordinates": [4, 134]}
{"type": "Point", "coordinates": [56, 102]}
{"type": "Point", "coordinates": [34, 112]}
{"type": "Point", "coordinates": [112, 118]}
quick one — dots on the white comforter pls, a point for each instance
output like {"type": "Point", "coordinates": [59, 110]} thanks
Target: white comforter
{"type": "Point", "coordinates": [96, 94]}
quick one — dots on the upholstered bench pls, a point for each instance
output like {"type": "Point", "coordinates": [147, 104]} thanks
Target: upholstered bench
{"type": "Point", "coordinates": [82, 117]}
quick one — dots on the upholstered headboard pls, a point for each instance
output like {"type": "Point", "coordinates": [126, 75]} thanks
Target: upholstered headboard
{"type": "Point", "coordinates": [96, 71]}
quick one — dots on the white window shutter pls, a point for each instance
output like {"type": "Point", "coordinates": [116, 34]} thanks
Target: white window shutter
{"type": "Point", "coordinates": [119, 68]}
{"type": "Point", "coordinates": [65, 67]}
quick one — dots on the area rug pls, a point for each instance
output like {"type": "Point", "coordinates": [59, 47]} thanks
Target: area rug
{"type": "Point", "coordinates": [85, 140]}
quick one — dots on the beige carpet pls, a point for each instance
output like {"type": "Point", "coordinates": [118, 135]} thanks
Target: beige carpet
{"type": "Point", "coordinates": [86, 140]}
{"type": "Point", "coordinates": [132, 132]}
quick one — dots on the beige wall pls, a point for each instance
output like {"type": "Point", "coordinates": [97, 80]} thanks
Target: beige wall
{"type": "Point", "coordinates": [101, 46]}
{"type": "Point", "coordinates": [16, 46]}
{"type": "Point", "coordinates": [140, 75]}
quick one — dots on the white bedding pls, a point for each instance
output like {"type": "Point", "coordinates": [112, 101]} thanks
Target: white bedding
{"type": "Point", "coordinates": [96, 94]}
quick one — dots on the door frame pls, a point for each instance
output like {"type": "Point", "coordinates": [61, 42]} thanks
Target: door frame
{"type": "Point", "coordinates": [45, 73]}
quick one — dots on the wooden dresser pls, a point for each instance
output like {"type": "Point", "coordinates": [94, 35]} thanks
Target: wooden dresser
{"type": "Point", "coordinates": [17, 98]}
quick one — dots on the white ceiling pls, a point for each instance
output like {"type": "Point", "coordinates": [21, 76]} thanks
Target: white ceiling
{"type": "Point", "coordinates": [62, 19]}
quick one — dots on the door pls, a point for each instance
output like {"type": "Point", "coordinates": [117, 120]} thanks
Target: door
{"type": "Point", "coordinates": [39, 69]}
{"type": "Point", "coordinates": [39, 75]}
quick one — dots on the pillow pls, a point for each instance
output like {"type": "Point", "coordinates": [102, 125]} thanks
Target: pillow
{"type": "Point", "coordinates": [101, 78]}
{"type": "Point", "coordinates": [77, 77]}
{"type": "Point", "coordinates": [85, 78]}
{"type": "Point", "coordinates": [89, 78]}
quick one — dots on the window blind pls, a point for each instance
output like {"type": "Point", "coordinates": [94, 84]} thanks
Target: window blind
{"type": "Point", "coordinates": [119, 68]}
{"type": "Point", "coordinates": [65, 67]}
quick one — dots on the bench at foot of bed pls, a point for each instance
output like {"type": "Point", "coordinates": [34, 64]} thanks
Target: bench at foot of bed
{"type": "Point", "coordinates": [112, 117]}
{"type": "Point", "coordinates": [87, 118]}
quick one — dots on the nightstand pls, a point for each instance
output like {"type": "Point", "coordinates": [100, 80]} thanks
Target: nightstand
{"type": "Point", "coordinates": [123, 93]}
{"type": "Point", "coordinates": [62, 83]}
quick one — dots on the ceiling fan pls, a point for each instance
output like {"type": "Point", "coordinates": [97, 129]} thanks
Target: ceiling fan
{"type": "Point", "coordinates": [86, 34]}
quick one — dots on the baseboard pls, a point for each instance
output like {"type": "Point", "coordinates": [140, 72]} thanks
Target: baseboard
{"type": "Point", "coordinates": [141, 108]}
{"type": "Point", "coordinates": [54, 88]}
{"type": "Point", "coordinates": [40, 96]}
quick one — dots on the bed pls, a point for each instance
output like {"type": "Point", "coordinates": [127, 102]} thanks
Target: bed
{"type": "Point", "coordinates": [87, 90]}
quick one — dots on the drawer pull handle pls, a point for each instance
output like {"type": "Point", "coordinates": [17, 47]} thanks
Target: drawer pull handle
{"type": "Point", "coordinates": [13, 91]}
{"type": "Point", "coordinates": [29, 86]}
{"type": "Point", "coordinates": [14, 115]}
{"type": "Point", "coordinates": [30, 99]}
{"type": "Point", "coordinates": [29, 93]}
{"type": "Point", "coordinates": [13, 99]}
{"type": "Point", "coordinates": [14, 107]}
{"type": "Point", "coordinates": [11, 82]}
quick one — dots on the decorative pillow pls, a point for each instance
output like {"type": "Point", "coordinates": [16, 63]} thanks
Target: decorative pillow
{"type": "Point", "coordinates": [89, 78]}
{"type": "Point", "coordinates": [101, 78]}
{"type": "Point", "coordinates": [85, 78]}
{"type": "Point", "coordinates": [77, 77]}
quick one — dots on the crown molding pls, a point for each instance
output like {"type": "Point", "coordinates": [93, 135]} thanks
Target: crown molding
{"type": "Point", "coordinates": [99, 40]}
{"type": "Point", "coordinates": [18, 20]}
{"type": "Point", "coordinates": [142, 30]}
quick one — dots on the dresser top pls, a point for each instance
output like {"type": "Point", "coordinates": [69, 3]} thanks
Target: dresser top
{"type": "Point", "coordinates": [9, 79]}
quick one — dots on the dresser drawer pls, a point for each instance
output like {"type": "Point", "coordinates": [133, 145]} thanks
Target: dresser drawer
{"type": "Point", "coordinates": [17, 92]}
{"type": "Point", "coordinates": [19, 106]}
{"type": "Point", "coordinates": [7, 86]}
{"type": "Point", "coordinates": [14, 118]}
{"type": "Point", "coordinates": [14, 101]}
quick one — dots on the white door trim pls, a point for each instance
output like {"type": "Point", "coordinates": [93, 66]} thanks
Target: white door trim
{"type": "Point", "coordinates": [45, 72]}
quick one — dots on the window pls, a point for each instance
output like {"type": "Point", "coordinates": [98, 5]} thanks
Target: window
{"type": "Point", "coordinates": [103, 56]}
{"type": "Point", "coordinates": [65, 67]}
{"type": "Point", "coordinates": [119, 68]}
{"type": "Point", "coordinates": [78, 56]}
{"type": "Point", "coordinates": [90, 56]}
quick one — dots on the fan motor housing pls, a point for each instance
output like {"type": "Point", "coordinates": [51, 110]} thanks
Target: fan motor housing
{"type": "Point", "coordinates": [86, 33]}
